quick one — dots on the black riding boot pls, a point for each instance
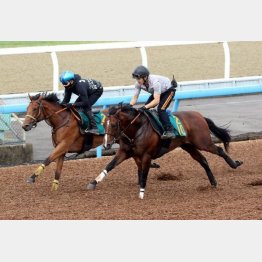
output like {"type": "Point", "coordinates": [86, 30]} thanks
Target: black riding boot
{"type": "Point", "coordinates": [168, 133]}
{"type": "Point", "coordinates": [93, 127]}
{"type": "Point", "coordinates": [169, 129]}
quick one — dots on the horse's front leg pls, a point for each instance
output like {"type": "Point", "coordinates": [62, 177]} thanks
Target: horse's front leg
{"type": "Point", "coordinates": [60, 150]}
{"type": "Point", "coordinates": [118, 159]}
{"type": "Point", "coordinates": [59, 166]}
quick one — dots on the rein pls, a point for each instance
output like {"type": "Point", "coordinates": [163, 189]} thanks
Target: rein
{"type": "Point", "coordinates": [41, 109]}
{"type": "Point", "coordinates": [57, 112]}
{"type": "Point", "coordinates": [122, 133]}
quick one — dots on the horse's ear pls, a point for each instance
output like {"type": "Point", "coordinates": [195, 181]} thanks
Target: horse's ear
{"type": "Point", "coordinates": [120, 105]}
{"type": "Point", "coordinates": [173, 82]}
{"type": "Point", "coordinates": [105, 112]}
{"type": "Point", "coordinates": [30, 97]}
{"type": "Point", "coordinates": [43, 95]}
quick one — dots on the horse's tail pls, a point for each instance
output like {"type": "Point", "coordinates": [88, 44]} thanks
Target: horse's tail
{"type": "Point", "coordinates": [222, 133]}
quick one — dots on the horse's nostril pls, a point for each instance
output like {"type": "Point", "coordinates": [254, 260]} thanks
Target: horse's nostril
{"type": "Point", "coordinates": [26, 127]}
{"type": "Point", "coordinates": [106, 147]}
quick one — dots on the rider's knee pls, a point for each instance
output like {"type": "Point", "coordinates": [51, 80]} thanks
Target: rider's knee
{"type": "Point", "coordinates": [161, 110]}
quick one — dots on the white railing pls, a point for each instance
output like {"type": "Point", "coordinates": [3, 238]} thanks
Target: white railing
{"type": "Point", "coordinates": [104, 46]}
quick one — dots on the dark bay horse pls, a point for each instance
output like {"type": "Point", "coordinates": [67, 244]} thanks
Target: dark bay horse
{"type": "Point", "coordinates": [66, 135]}
{"type": "Point", "coordinates": [138, 140]}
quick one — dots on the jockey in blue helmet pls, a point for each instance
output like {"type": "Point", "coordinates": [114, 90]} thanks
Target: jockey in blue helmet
{"type": "Point", "coordinates": [88, 92]}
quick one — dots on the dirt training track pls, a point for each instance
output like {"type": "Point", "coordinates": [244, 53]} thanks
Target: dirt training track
{"type": "Point", "coordinates": [179, 190]}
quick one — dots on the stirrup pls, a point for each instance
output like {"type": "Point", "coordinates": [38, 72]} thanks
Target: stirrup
{"type": "Point", "coordinates": [92, 131]}
{"type": "Point", "coordinates": [164, 136]}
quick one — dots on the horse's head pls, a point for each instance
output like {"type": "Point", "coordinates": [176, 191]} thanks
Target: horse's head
{"type": "Point", "coordinates": [35, 110]}
{"type": "Point", "coordinates": [112, 128]}
{"type": "Point", "coordinates": [117, 119]}
{"type": "Point", "coordinates": [34, 113]}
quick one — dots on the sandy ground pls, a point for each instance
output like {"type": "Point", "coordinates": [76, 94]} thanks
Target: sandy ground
{"type": "Point", "coordinates": [32, 73]}
{"type": "Point", "coordinates": [179, 190]}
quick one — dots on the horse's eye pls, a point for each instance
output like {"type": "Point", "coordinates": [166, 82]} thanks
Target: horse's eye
{"type": "Point", "coordinates": [113, 125]}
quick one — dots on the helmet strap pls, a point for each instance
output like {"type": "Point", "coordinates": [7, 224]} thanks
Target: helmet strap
{"type": "Point", "coordinates": [146, 81]}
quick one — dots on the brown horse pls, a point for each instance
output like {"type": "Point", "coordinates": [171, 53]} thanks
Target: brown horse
{"type": "Point", "coordinates": [65, 132]}
{"type": "Point", "coordinates": [139, 140]}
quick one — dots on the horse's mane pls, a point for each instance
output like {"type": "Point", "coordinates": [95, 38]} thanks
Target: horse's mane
{"type": "Point", "coordinates": [36, 97]}
{"type": "Point", "coordinates": [127, 108]}
{"type": "Point", "coordinates": [112, 110]}
{"type": "Point", "coordinates": [51, 97]}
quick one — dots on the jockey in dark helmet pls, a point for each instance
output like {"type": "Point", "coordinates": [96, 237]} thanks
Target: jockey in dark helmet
{"type": "Point", "coordinates": [162, 92]}
{"type": "Point", "coordinates": [88, 92]}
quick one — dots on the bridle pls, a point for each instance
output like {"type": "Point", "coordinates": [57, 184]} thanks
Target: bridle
{"type": "Point", "coordinates": [121, 133]}
{"type": "Point", "coordinates": [41, 109]}
{"type": "Point", "coordinates": [34, 124]}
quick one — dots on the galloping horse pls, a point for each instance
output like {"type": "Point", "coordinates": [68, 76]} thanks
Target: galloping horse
{"type": "Point", "coordinates": [139, 140]}
{"type": "Point", "coordinates": [66, 135]}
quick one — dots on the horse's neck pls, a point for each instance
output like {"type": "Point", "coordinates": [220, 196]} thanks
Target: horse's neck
{"type": "Point", "coordinates": [51, 116]}
{"type": "Point", "coordinates": [136, 123]}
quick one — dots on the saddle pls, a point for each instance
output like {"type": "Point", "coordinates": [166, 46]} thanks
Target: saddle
{"type": "Point", "coordinates": [156, 124]}
{"type": "Point", "coordinates": [84, 121]}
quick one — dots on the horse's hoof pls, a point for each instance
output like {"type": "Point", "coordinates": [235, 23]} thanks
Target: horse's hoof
{"type": "Point", "coordinates": [141, 197]}
{"type": "Point", "coordinates": [213, 183]}
{"type": "Point", "coordinates": [31, 180]}
{"type": "Point", "coordinates": [239, 163]}
{"type": "Point", "coordinates": [141, 194]}
{"type": "Point", "coordinates": [92, 185]}
{"type": "Point", "coordinates": [154, 165]}
{"type": "Point", "coordinates": [55, 185]}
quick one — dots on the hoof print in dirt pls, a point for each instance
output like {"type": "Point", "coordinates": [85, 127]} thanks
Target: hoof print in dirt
{"type": "Point", "coordinates": [169, 177]}
{"type": "Point", "coordinates": [255, 183]}
{"type": "Point", "coordinates": [154, 165]}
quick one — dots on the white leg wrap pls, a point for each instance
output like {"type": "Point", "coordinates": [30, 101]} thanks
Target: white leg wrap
{"type": "Point", "coordinates": [141, 193]}
{"type": "Point", "coordinates": [105, 141]}
{"type": "Point", "coordinates": [101, 177]}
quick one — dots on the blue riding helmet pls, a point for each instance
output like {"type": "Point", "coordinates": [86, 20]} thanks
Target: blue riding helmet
{"type": "Point", "coordinates": [66, 76]}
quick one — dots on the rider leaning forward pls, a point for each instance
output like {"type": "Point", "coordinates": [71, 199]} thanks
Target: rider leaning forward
{"type": "Point", "coordinates": [88, 92]}
{"type": "Point", "coordinates": [162, 92]}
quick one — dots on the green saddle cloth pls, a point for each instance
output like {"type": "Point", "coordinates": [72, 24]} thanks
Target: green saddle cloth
{"type": "Point", "coordinates": [179, 129]}
{"type": "Point", "coordinates": [178, 126]}
{"type": "Point", "coordinates": [99, 117]}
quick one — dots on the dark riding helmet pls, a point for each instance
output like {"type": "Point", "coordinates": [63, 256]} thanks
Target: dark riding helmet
{"type": "Point", "coordinates": [140, 71]}
{"type": "Point", "coordinates": [67, 76]}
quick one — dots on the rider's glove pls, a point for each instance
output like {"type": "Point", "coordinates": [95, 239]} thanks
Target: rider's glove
{"type": "Point", "coordinates": [69, 105]}
{"type": "Point", "coordinates": [142, 109]}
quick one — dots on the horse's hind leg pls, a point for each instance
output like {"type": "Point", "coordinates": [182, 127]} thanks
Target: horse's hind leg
{"type": "Point", "coordinates": [139, 168]}
{"type": "Point", "coordinates": [59, 166]}
{"type": "Point", "coordinates": [195, 154]}
{"type": "Point", "coordinates": [146, 160]}
{"type": "Point", "coordinates": [220, 152]}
